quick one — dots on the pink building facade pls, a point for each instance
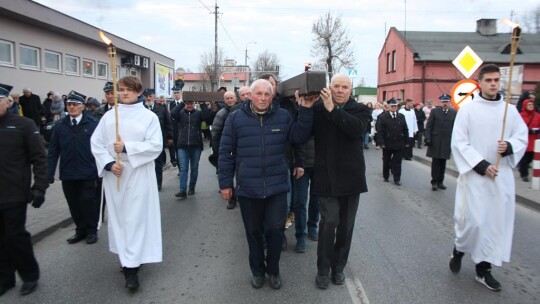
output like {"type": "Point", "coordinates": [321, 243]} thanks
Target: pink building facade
{"type": "Point", "coordinates": [418, 65]}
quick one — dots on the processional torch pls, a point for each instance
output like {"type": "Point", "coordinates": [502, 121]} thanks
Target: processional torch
{"type": "Point", "coordinates": [111, 51]}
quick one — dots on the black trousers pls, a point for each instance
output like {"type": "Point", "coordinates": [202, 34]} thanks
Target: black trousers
{"type": "Point", "coordinates": [16, 252]}
{"type": "Point", "coordinates": [524, 164]}
{"type": "Point", "coordinates": [438, 167]}
{"type": "Point", "coordinates": [335, 232]}
{"type": "Point", "coordinates": [83, 204]}
{"type": "Point", "coordinates": [419, 136]}
{"type": "Point", "coordinates": [392, 161]}
{"type": "Point", "coordinates": [408, 153]}
{"type": "Point", "coordinates": [264, 216]}
{"type": "Point", "coordinates": [172, 152]}
{"type": "Point", "coordinates": [158, 164]}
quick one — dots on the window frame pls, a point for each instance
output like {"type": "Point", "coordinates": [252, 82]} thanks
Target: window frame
{"type": "Point", "coordinates": [93, 62]}
{"type": "Point", "coordinates": [78, 59]}
{"type": "Point", "coordinates": [38, 61]}
{"type": "Point", "coordinates": [49, 70]}
{"type": "Point", "coordinates": [11, 53]}
{"type": "Point", "coordinates": [106, 70]}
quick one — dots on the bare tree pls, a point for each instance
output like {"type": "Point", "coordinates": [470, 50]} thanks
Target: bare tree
{"type": "Point", "coordinates": [531, 21]}
{"type": "Point", "coordinates": [265, 62]}
{"type": "Point", "coordinates": [332, 43]}
{"type": "Point", "coordinates": [206, 67]}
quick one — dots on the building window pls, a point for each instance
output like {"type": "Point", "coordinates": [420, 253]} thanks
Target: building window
{"type": "Point", "coordinates": [133, 73]}
{"type": "Point", "coordinates": [72, 65]}
{"type": "Point", "coordinates": [52, 62]}
{"type": "Point", "coordinates": [394, 61]}
{"type": "Point", "coordinates": [88, 68]}
{"type": "Point", "coordinates": [102, 70]}
{"type": "Point", "coordinates": [6, 53]}
{"type": "Point", "coordinates": [388, 63]}
{"type": "Point", "coordinates": [29, 57]}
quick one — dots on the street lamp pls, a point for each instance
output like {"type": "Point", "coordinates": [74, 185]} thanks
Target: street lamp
{"type": "Point", "coordinates": [246, 82]}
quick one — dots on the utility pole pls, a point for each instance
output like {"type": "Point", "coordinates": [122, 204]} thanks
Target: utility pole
{"type": "Point", "coordinates": [214, 83]}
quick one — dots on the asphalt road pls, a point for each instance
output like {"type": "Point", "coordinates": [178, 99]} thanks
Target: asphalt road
{"type": "Point", "coordinates": [400, 253]}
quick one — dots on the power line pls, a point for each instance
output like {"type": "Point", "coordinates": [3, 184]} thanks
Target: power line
{"type": "Point", "coordinates": [224, 29]}
{"type": "Point", "coordinates": [205, 6]}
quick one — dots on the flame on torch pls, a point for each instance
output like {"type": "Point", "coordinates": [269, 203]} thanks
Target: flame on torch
{"type": "Point", "coordinates": [104, 38]}
{"type": "Point", "coordinates": [510, 23]}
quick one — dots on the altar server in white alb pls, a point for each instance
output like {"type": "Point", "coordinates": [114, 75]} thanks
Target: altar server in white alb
{"type": "Point", "coordinates": [134, 214]}
{"type": "Point", "coordinates": [485, 195]}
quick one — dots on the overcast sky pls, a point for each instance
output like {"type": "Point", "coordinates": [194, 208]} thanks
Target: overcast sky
{"type": "Point", "coordinates": [184, 29]}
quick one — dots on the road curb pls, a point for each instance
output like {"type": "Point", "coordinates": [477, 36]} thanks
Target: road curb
{"type": "Point", "coordinates": [453, 172]}
{"type": "Point", "coordinates": [51, 229]}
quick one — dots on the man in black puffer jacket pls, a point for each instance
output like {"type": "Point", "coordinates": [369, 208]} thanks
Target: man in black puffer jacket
{"type": "Point", "coordinates": [189, 142]}
{"type": "Point", "coordinates": [252, 149]}
{"type": "Point", "coordinates": [22, 154]}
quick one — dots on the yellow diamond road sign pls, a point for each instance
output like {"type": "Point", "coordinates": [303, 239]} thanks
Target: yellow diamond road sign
{"type": "Point", "coordinates": [467, 62]}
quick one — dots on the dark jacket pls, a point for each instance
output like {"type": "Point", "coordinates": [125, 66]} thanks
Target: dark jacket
{"type": "Point", "coordinates": [252, 148]}
{"type": "Point", "coordinates": [393, 132]}
{"type": "Point", "coordinates": [439, 133]}
{"type": "Point", "coordinates": [420, 119]}
{"type": "Point", "coordinates": [339, 149]}
{"type": "Point", "coordinates": [217, 128]}
{"type": "Point", "coordinates": [22, 155]}
{"type": "Point", "coordinates": [72, 145]}
{"type": "Point", "coordinates": [31, 107]}
{"type": "Point", "coordinates": [164, 121]}
{"type": "Point", "coordinates": [188, 124]}
{"type": "Point", "coordinates": [102, 110]}
{"type": "Point", "coordinates": [171, 105]}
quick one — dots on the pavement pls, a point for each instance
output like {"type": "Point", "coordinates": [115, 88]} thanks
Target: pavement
{"type": "Point", "coordinates": [54, 213]}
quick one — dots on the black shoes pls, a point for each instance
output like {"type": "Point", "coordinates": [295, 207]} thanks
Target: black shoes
{"type": "Point", "coordinates": [407, 158]}
{"type": "Point", "coordinates": [398, 183]}
{"type": "Point", "coordinates": [525, 179]}
{"type": "Point", "coordinates": [91, 239]}
{"type": "Point", "coordinates": [5, 288]}
{"type": "Point", "coordinates": [181, 195]}
{"type": "Point", "coordinates": [28, 287]}
{"type": "Point", "coordinates": [132, 278]}
{"type": "Point", "coordinates": [159, 188]}
{"type": "Point", "coordinates": [300, 245]}
{"type": "Point", "coordinates": [231, 204]}
{"type": "Point", "coordinates": [76, 238]}
{"type": "Point", "coordinates": [338, 278]}
{"type": "Point", "coordinates": [257, 282]}
{"type": "Point", "coordinates": [484, 277]}
{"type": "Point", "coordinates": [191, 191]}
{"type": "Point", "coordinates": [174, 163]}
{"type": "Point", "coordinates": [386, 180]}
{"type": "Point", "coordinates": [434, 187]}
{"type": "Point", "coordinates": [441, 186]}
{"type": "Point", "coordinates": [322, 281]}
{"type": "Point", "coordinates": [274, 281]}
{"type": "Point", "coordinates": [455, 261]}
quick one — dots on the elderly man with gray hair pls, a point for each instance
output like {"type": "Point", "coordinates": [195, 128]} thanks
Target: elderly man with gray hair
{"type": "Point", "coordinates": [252, 151]}
{"type": "Point", "coordinates": [31, 106]}
{"type": "Point", "coordinates": [339, 124]}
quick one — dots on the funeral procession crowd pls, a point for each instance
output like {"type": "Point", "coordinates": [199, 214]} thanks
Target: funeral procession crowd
{"type": "Point", "coordinates": [284, 160]}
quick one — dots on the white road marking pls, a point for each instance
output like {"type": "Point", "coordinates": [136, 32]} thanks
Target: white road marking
{"type": "Point", "coordinates": [356, 291]}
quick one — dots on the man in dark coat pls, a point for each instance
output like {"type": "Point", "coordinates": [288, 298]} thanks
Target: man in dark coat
{"type": "Point", "coordinates": [166, 129]}
{"type": "Point", "coordinates": [177, 101]}
{"type": "Point", "coordinates": [23, 157]}
{"type": "Point", "coordinates": [438, 138]}
{"type": "Point", "coordinates": [252, 152]}
{"type": "Point", "coordinates": [70, 142]}
{"type": "Point", "coordinates": [31, 106]}
{"type": "Point", "coordinates": [393, 138]}
{"type": "Point", "coordinates": [420, 120]}
{"type": "Point", "coordinates": [109, 97]}
{"type": "Point", "coordinates": [338, 129]}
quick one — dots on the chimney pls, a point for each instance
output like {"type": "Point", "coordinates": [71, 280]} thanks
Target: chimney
{"type": "Point", "coordinates": [486, 27]}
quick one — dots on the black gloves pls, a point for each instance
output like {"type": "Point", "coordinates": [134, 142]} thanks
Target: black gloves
{"type": "Point", "coordinates": [38, 197]}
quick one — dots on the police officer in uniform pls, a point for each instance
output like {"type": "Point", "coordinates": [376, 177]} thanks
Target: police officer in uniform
{"type": "Point", "coordinates": [166, 129]}
{"type": "Point", "coordinates": [393, 138]}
